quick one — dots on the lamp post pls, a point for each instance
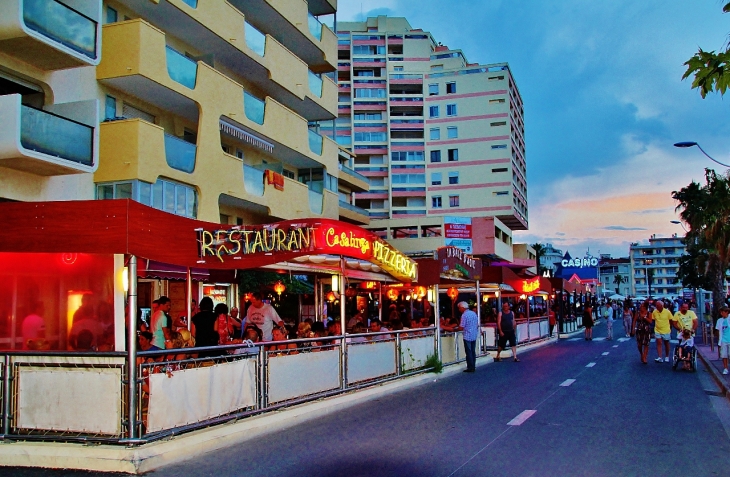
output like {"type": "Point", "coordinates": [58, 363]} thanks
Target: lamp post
{"type": "Point", "coordinates": [692, 143]}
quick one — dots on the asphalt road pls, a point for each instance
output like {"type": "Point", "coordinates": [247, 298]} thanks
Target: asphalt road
{"type": "Point", "coordinates": [618, 418]}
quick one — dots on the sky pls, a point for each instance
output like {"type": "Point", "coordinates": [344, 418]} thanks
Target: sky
{"type": "Point", "coordinates": [604, 103]}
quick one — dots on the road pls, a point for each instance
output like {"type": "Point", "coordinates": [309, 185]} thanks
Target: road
{"type": "Point", "coordinates": [617, 418]}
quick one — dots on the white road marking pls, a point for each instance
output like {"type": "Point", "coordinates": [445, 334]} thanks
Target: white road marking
{"type": "Point", "coordinates": [567, 382]}
{"type": "Point", "coordinates": [590, 365]}
{"type": "Point", "coordinates": [621, 340]}
{"type": "Point", "coordinates": [605, 353]}
{"type": "Point", "coordinates": [615, 346]}
{"type": "Point", "coordinates": [521, 417]}
{"type": "Point", "coordinates": [603, 338]}
{"type": "Point", "coordinates": [575, 339]}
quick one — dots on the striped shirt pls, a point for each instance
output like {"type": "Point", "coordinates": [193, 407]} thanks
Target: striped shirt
{"type": "Point", "coordinates": [470, 324]}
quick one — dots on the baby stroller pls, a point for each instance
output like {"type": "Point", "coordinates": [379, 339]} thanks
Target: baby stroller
{"type": "Point", "coordinates": [690, 358]}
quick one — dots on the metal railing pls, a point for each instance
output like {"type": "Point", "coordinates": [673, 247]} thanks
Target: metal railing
{"type": "Point", "coordinates": [353, 208]}
{"type": "Point", "coordinates": [255, 39]}
{"type": "Point", "coordinates": [316, 142]}
{"type": "Point", "coordinates": [315, 83]}
{"type": "Point", "coordinates": [254, 108]}
{"type": "Point", "coordinates": [315, 26]}
{"type": "Point", "coordinates": [181, 69]}
{"type": "Point", "coordinates": [253, 180]}
{"type": "Point", "coordinates": [54, 135]}
{"type": "Point", "coordinates": [180, 154]}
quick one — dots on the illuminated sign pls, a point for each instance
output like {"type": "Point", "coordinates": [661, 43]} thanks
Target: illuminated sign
{"type": "Point", "coordinates": [266, 244]}
{"type": "Point", "coordinates": [580, 262]}
{"type": "Point", "coordinates": [529, 286]}
{"type": "Point", "coordinates": [454, 262]}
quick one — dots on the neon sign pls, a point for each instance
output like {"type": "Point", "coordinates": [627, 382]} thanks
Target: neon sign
{"type": "Point", "coordinates": [580, 262]}
{"type": "Point", "coordinates": [529, 286]}
{"type": "Point", "coordinates": [244, 242]}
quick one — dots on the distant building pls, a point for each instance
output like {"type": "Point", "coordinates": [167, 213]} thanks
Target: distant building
{"type": "Point", "coordinates": [609, 269]}
{"type": "Point", "coordinates": [654, 267]}
{"type": "Point", "coordinates": [550, 258]}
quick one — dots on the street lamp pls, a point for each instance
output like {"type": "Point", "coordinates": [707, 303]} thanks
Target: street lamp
{"type": "Point", "coordinates": [692, 143]}
{"type": "Point", "coordinates": [677, 222]}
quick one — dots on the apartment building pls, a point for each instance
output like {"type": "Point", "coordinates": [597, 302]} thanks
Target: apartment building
{"type": "Point", "coordinates": [436, 135]}
{"type": "Point", "coordinates": [550, 258]}
{"type": "Point", "coordinates": [199, 108]}
{"type": "Point", "coordinates": [654, 267]}
{"type": "Point", "coordinates": [609, 269]}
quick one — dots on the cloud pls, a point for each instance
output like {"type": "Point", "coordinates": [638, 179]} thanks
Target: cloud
{"type": "Point", "coordinates": [652, 211]}
{"type": "Point", "coordinates": [621, 227]}
{"type": "Point", "coordinates": [560, 234]}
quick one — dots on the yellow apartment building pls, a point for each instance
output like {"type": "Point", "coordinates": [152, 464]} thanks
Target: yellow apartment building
{"type": "Point", "coordinates": [200, 108]}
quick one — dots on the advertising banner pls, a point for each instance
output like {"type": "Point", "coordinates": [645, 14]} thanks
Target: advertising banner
{"type": "Point", "coordinates": [457, 233]}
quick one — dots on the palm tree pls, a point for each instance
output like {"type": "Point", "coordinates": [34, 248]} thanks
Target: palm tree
{"type": "Point", "coordinates": [706, 209]}
{"type": "Point", "coordinates": [618, 280]}
{"type": "Point", "coordinates": [539, 252]}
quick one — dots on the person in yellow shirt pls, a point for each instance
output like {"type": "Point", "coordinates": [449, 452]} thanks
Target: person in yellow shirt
{"type": "Point", "coordinates": [685, 319]}
{"type": "Point", "coordinates": [662, 330]}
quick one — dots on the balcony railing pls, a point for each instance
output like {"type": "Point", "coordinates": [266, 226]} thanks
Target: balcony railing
{"type": "Point", "coordinates": [180, 154]}
{"type": "Point", "coordinates": [62, 24]}
{"type": "Point", "coordinates": [192, 3]}
{"type": "Point", "coordinates": [50, 134]}
{"type": "Point", "coordinates": [353, 208]}
{"type": "Point", "coordinates": [354, 173]}
{"type": "Point", "coordinates": [181, 68]}
{"type": "Point", "coordinates": [315, 84]}
{"type": "Point", "coordinates": [315, 201]}
{"type": "Point", "coordinates": [255, 39]}
{"type": "Point", "coordinates": [315, 26]}
{"type": "Point", "coordinates": [315, 143]}
{"type": "Point", "coordinates": [253, 180]}
{"type": "Point", "coordinates": [254, 108]}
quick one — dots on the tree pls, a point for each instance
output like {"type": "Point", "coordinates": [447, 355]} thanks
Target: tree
{"type": "Point", "coordinates": [711, 70]}
{"type": "Point", "coordinates": [539, 252]}
{"type": "Point", "coordinates": [706, 209]}
{"type": "Point", "coordinates": [618, 280]}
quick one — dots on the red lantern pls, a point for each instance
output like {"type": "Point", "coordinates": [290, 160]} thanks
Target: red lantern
{"type": "Point", "coordinates": [392, 294]}
{"type": "Point", "coordinates": [279, 288]}
{"type": "Point", "coordinates": [350, 292]}
{"type": "Point", "coordinates": [452, 293]}
{"type": "Point", "coordinates": [420, 292]}
{"type": "Point", "coordinates": [331, 297]}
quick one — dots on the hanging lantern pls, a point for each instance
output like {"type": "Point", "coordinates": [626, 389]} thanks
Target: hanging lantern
{"type": "Point", "coordinates": [331, 297]}
{"type": "Point", "coordinates": [485, 298]}
{"type": "Point", "coordinates": [420, 291]}
{"type": "Point", "coordinates": [336, 283]}
{"type": "Point", "coordinates": [248, 296]}
{"type": "Point", "coordinates": [350, 292]}
{"type": "Point", "coordinates": [279, 288]}
{"type": "Point", "coordinates": [453, 293]}
{"type": "Point", "coordinates": [430, 295]}
{"type": "Point", "coordinates": [392, 294]}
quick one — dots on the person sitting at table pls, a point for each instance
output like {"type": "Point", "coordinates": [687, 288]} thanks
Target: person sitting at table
{"type": "Point", "coordinates": [223, 325]}
{"type": "Point", "coordinates": [251, 335]}
{"type": "Point", "coordinates": [334, 329]}
{"type": "Point", "coordinates": [356, 318]}
{"type": "Point", "coordinates": [283, 348]}
{"type": "Point", "coordinates": [356, 330]}
{"type": "Point", "coordinates": [377, 327]}
{"type": "Point", "coordinates": [447, 325]}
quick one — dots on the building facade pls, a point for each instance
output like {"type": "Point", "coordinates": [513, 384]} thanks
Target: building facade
{"type": "Point", "coordinates": [550, 258]}
{"type": "Point", "coordinates": [654, 267]}
{"type": "Point", "coordinates": [198, 108]}
{"type": "Point", "coordinates": [615, 276]}
{"type": "Point", "coordinates": [436, 135]}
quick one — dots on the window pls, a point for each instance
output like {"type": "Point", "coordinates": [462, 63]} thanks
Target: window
{"type": "Point", "coordinates": [173, 197]}
{"type": "Point", "coordinates": [369, 93]}
{"type": "Point", "coordinates": [451, 110]}
{"type": "Point", "coordinates": [499, 146]}
{"type": "Point", "coordinates": [408, 178]}
{"type": "Point", "coordinates": [436, 202]}
{"type": "Point", "coordinates": [452, 132]}
{"type": "Point", "coordinates": [377, 204]}
{"type": "Point", "coordinates": [501, 192]}
{"type": "Point", "coordinates": [435, 178]}
{"type": "Point", "coordinates": [435, 134]}
{"type": "Point", "coordinates": [397, 68]}
{"type": "Point", "coordinates": [496, 78]}
{"type": "Point", "coordinates": [368, 116]}
{"type": "Point", "coordinates": [400, 156]}
{"type": "Point", "coordinates": [453, 155]}
{"type": "Point", "coordinates": [437, 67]}
{"type": "Point", "coordinates": [130, 112]}
{"type": "Point", "coordinates": [111, 15]}
{"type": "Point", "coordinates": [450, 88]}
{"type": "Point", "coordinates": [288, 173]}
{"type": "Point", "coordinates": [499, 100]}
{"type": "Point", "coordinates": [433, 89]}
{"type": "Point", "coordinates": [433, 111]}
{"type": "Point", "coordinates": [453, 201]}
{"type": "Point", "coordinates": [371, 136]}
{"type": "Point", "coordinates": [498, 123]}
{"type": "Point", "coordinates": [499, 169]}
{"type": "Point", "coordinates": [435, 156]}
{"type": "Point", "coordinates": [110, 107]}
{"type": "Point", "coordinates": [453, 177]}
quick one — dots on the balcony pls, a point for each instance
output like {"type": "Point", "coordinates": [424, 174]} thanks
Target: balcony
{"type": "Point", "coordinates": [253, 180]}
{"type": "Point", "coordinates": [353, 214]}
{"type": "Point", "coordinates": [254, 108]}
{"type": "Point", "coordinates": [181, 68]}
{"type": "Point", "coordinates": [292, 24]}
{"type": "Point", "coordinates": [180, 154]}
{"type": "Point", "coordinates": [43, 142]}
{"type": "Point", "coordinates": [315, 84]}
{"type": "Point", "coordinates": [356, 181]}
{"type": "Point", "coordinates": [315, 142]}
{"type": "Point", "coordinates": [51, 35]}
{"type": "Point", "coordinates": [225, 37]}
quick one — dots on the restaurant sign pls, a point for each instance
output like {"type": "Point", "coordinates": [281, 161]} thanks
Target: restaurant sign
{"type": "Point", "coordinates": [455, 263]}
{"type": "Point", "coordinates": [258, 245]}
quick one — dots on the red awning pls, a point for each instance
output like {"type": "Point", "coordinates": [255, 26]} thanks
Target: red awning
{"type": "Point", "coordinates": [166, 271]}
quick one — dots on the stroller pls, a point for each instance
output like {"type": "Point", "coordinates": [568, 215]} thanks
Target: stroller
{"type": "Point", "coordinates": [688, 358]}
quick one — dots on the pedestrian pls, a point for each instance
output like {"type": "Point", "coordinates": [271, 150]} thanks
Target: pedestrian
{"type": "Point", "coordinates": [506, 329]}
{"type": "Point", "coordinates": [628, 319]}
{"type": "Point", "coordinates": [723, 326]}
{"type": "Point", "coordinates": [641, 328]}
{"type": "Point", "coordinates": [609, 323]}
{"type": "Point", "coordinates": [470, 326]}
{"type": "Point", "coordinates": [588, 322]}
{"type": "Point", "coordinates": [551, 322]}
{"type": "Point", "coordinates": [662, 330]}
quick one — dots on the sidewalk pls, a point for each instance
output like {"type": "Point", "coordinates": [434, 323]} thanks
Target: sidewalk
{"type": "Point", "coordinates": [714, 366]}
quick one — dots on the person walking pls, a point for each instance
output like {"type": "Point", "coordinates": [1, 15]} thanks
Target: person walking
{"type": "Point", "coordinates": [628, 321]}
{"type": "Point", "coordinates": [641, 327]}
{"type": "Point", "coordinates": [506, 329]}
{"type": "Point", "coordinates": [588, 322]}
{"type": "Point", "coordinates": [609, 322]}
{"type": "Point", "coordinates": [723, 327]}
{"type": "Point", "coordinates": [470, 326]}
{"type": "Point", "coordinates": [662, 330]}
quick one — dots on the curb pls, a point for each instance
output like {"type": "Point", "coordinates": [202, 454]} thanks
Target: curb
{"type": "Point", "coordinates": [714, 374]}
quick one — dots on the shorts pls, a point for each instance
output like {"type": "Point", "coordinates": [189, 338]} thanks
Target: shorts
{"type": "Point", "coordinates": [724, 350]}
{"type": "Point", "coordinates": [665, 337]}
{"type": "Point", "coordinates": [508, 336]}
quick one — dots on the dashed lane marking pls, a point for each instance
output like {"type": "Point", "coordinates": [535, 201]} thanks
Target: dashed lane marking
{"type": "Point", "coordinates": [575, 339]}
{"type": "Point", "coordinates": [521, 417]}
{"type": "Point", "coordinates": [615, 346]}
{"type": "Point", "coordinates": [567, 382]}
{"type": "Point", "coordinates": [621, 340]}
{"type": "Point", "coordinates": [605, 353]}
{"type": "Point", "coordinates": [590, 365]}
{"type": "Point", "coordinates": [602, 338]}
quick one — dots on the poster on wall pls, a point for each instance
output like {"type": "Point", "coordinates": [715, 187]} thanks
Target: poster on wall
{"type": "Point", "coordinates": [457, 233]}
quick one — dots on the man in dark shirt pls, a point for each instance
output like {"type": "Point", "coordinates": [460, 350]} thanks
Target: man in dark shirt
{"type": "Point", "coordinates": [506, 328]}
{"type": "Point", "coordinates": [203, 327]}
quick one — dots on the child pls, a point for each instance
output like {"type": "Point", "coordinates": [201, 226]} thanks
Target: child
{"type": "Point", "coordinates": [723, 327]}
{"type": "Point", "coordinates": [685, 348]}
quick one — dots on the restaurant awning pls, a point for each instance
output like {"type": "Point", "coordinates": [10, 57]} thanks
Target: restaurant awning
{"type": "Point", "coordinates": [166, 271]}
